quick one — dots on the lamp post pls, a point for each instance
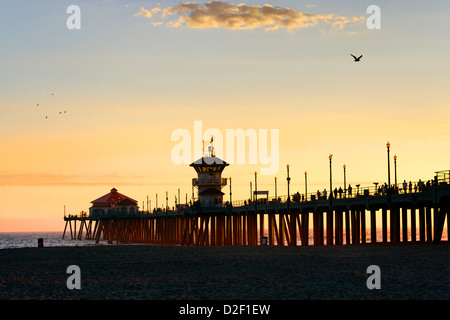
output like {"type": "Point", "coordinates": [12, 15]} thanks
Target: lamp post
{"type": "Point", "coordinates": [388, 145]}
{"type": "Point", "coordinates": [167, 200]}
{"type": "Point", "coordinates": [156, 202]}
{"type": "Point", "coordinates": [256, 188]}
{"type": "Point", "coordinates": [251, 194]}
{"type": "Point", "coordinates": [231, 199]}
{"type": "Point", "coordinates": [395, 169]}
{"type": "Point", "coordinates": [179, 198]}
{"type": "Point", "coordinates": [345, 182]}
{"type": "Point", "coordinates": [306, 186]}
{"type": "Point", "coordinates": [331, 179]}
{"type": "Point", "coordinates": [276, 195]}
{"type": "Point", "coordinates": [288, 182]}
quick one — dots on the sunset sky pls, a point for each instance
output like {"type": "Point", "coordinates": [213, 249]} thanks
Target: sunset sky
{"type": "Point", "coordinates": [138, 70]}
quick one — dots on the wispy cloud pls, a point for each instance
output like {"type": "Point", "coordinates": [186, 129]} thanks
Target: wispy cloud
{"type": "Point", "coordinates": [218, 14]}
{"type": "Point", "coordinates": [147, 13]}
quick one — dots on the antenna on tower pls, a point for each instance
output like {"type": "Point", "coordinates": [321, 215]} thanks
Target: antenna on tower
{"type": "Point", "coordinates": [203, 147]}
{"type": "Point", "coordinates": [211, 147]}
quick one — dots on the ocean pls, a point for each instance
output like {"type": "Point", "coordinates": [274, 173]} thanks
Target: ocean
{"type": "Point", "coordinates": [9, 240]}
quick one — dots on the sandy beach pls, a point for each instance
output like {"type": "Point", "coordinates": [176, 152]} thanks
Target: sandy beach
{"type": "Point", "coordinates": [125, 272]}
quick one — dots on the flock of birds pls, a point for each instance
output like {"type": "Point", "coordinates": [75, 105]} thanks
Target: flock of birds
{"type": "Point", "coordinates": [60, 112]}
{"type": "Point", "coordinates": [356, 59]}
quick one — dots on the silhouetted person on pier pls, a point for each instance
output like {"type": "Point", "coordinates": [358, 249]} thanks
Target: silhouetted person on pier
{"type": "Point", "coordinates": [318, 195]}
{"type": "Point", "coordinates": [340, 193]}
{"type": "Point", "coordinates": [410, 187]}
{"type": "Point", "coordinates": [324, 193]}
{"type": "Point", "coordinates": [335, 193]}
{"type": "Point", "coordinates": [350, 191]}
{"type": "Point", "coordinates": [421, 185]}
{"type": "Point", "coordinates": [404, 186]}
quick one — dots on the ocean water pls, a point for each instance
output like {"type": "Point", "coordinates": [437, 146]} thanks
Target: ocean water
{"type": "Point", "coordinates": [9, 240]}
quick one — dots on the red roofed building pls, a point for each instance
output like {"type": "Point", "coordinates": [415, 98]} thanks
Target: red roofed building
{"type": "Point", "coordinates": [113, 202]}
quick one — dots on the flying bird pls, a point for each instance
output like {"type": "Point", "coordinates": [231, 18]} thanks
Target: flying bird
{"type": "Point", "coordinates": [53, 94]}
{"type": "Point", "coordinates": [356, 59]}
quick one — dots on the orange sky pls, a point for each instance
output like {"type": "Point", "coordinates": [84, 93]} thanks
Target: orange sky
{"type": "Point", "coordinates": [126, 86]}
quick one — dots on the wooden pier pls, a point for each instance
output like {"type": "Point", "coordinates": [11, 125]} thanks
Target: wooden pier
{"type": "Point", "coordinates": [346, 221]}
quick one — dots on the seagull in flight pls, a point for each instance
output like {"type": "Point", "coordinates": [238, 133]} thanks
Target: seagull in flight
{"type": "Point", "coordinates": [356, 59]}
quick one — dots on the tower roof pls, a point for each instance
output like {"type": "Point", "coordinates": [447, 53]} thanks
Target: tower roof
{"type": "Point", "coordinates": [209, 162]}
{"type": "Point", "coordinates": [113, 196]}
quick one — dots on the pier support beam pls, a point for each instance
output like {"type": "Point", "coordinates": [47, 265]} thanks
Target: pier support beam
{"type": "Point", "coordinates": [347, 227]}
{"type": "Point", "coordinates": [362, 214]}
{"type": "Point", "coordinates": [413, 224]}
{"type": "Point", "coordinates": [384, 224]}
{"type": "Point", "coordinates": [373, 226]}
{"type": "Point", "coordinates": [428, 224]}
{"type": "Point", "coordinates": [422, 224]}
{"type": "Point", "coordinates": [404, 224]}
{"type": "Point", "coordinates": [329, 215]}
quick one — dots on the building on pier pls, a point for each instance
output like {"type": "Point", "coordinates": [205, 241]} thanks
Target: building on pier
{"type": "Point", "coordinates": [113, 202]}
{"type": "Point", "coordinates": [209, 181]}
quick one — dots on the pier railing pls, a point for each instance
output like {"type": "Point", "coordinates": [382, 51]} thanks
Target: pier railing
{"type": "Point", "coordinates": [375, 190]}
{"type": "Point", "coordinates": [357, 191]}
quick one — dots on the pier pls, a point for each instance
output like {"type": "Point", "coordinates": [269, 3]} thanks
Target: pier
{"type": "Point", "coordinates": [402, 216]}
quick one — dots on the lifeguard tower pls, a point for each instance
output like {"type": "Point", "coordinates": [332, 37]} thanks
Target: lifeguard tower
{"type": "Point", "coordinates": [209, 182]}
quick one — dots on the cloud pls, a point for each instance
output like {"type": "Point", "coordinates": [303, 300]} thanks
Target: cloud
{"type": "Point", "coordinates": [143, 12]}
{"type": "Point", "coordinates": [218, 14]}
{"type": "Point", "coordinates": [147, 13]}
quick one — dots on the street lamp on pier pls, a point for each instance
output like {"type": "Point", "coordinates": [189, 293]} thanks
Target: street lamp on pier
{"type": "Point", "coordinates": [288, 182]}
{"type": "Point", "coordinates": [395, 168]}
{"type": "Point", "coordinates": [276, 195]}
{"type": "Point", "coordinates": [345, 182]}
{"type": "Point", "coordinates": [256, 188]}
{"type": "Point", "coordinates": [231, 199]}
{"type": "Point", "coordinates": [331, 179]}
{"type": "Point", "coordinates": [306, 186]}
{"type": "Point", "coordinates": [388, 145]}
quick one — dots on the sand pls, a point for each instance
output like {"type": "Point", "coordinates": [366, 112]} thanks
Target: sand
{"type": "Point", "coordinates": [125, 272]}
